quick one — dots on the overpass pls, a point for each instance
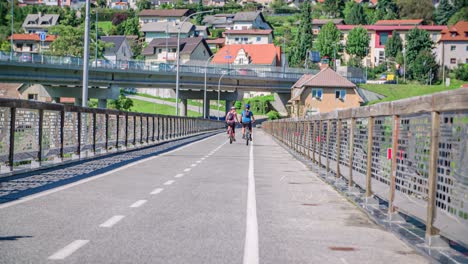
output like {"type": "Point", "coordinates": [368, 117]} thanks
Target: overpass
{"type": "Point", "coordinates": [84, 185]}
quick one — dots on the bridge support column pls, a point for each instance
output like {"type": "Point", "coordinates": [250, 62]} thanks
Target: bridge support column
{"type": "Point", "coordinates": [228, 105]}
{"type": "Point", "coordinates": [102, 103]}
{"type": "Point", "coordinates": [183, 107]}
{"type": "Point", "coordinates": [207, 109]}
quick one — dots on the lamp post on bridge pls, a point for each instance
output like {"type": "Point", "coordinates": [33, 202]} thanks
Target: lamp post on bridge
{"type": "Point", "coordinates": [219, 87]}
{"type": "Point", "coordinates": [204, 92]}
{"type": "Point", "coordinates": [178, 57]}
{"type": "Point", "coordinates": [84, 99]}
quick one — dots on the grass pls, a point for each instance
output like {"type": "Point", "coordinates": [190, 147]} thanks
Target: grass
{"type": "Point", "coordinates": [105, 26]}
{"type": "Point", "coordinates": [400, 91]}
{"type": "Point", "coordinates": [189, 102]}
{"type": "Point", "coordinates": [152, 108]}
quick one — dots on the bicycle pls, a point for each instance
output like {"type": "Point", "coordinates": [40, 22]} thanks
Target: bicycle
{"type": "Point", "coordinates": [231, 135]}
{"type": "Point", "coordinates": [248, 136]}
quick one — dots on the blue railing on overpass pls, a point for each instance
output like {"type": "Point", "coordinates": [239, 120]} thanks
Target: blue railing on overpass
{"type": "Point", "coordinates": [192, 67]}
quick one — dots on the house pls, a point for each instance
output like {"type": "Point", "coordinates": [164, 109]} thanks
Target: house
{"type": "Point", "coordinates": [379, 34]}
{"type": "Point", "coordinates": [400, 22]}
{"type": "Point", "coordinates": [201, 31]}
{"type": "Point", "coordinates": [219, 21]}
{"type": "Point", "coordinates": [250, 20]}
{"type": "Point", "coordinates": [323, 92]}
{"type": "Point", "coordinates": [46, 2]}
{"type": "Point", "coordinates": [215, 3]}
{"type": "Point", "coordinates": [249, 36]}
{"type": "Point", "coordinates": [35, 23]}
{"type": "Point", "coordinates": [122, 4]}
{"type": "Point", "coordinates": [167, 29]}
{"type": "Point", "coordinates": [162, 15]}
{"type": "Point", "coordinates": [165, 50]}
{"type": "Point", "coordinates": [120, 50]}
{"type": "Point", "coordinates": [249, 54]}
{"type": "Point", "coordinates": [453, 45]}
{"type": "Point", "coordinates": [215, 44]}
{"type": "Point", "coordinates": [317, 24]}
{"type": "Point", "coordinates": [31, 43]}
{"type": "Point", "coordinates": [35, 92]}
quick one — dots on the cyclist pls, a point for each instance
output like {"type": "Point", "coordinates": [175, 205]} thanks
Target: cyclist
{"type": "Point", "coordinates": [247, 119]}
{"type": "Point", "coordinates": [231, 118]}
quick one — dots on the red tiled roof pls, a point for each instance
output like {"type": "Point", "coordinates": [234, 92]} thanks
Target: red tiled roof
{"type": "Point", "coordinates": [216, 41]}
{"type": "Point", "coordinates": [249, 32]}
{"type": "Point", "coordinates": [391, 28]}
{"type": "Point", "coordinates": [164, 12]}
{"type": "Point", "coordinates": [263, 54]}
{"type": "Point", "coordinates": [325, 78]}
{"type": "Point", "coordinates": [33, 37]}
{"type": "Point", "coordinates": [461, 30]}
{"type": "Point", "coordinates": [400, 22]}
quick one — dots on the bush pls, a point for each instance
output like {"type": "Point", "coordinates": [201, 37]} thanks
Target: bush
{"type": "Point", "coordinates": [272, 115]}
{"type": "Point", "coordinates": [461, 72]}
{"type": "Point", "coordinates": [238, 104]}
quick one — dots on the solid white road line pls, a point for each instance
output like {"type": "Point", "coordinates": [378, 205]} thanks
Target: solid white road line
{"type": "Point", "coordinates": [157, 190]}
{"type": "Point", "coordinates": [187, 169]}
{"type": "Point", "coordinates": [251, 231]}
{"type": "Point", "coordinates": [169, 182]}
{"type": "Point", "coordinates": [68, 250]}
{"type": "Point", "coordinates": [35, 196]}
{"type": "Point", "coordinates": [112, 221]}
{"type": "Point", "coordinates": [179, 175]}
{"type": "Point", "coordinates": [138, 203]}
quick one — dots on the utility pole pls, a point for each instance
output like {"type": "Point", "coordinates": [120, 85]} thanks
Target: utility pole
{"type": "Point", "coordinates": [84, 98]}
{"type": "Point", "coordinates": [96, 49]}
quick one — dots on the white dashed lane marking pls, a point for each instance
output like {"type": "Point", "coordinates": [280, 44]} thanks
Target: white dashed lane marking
{"type": "Point", "coordinates": [157, 190]}
{"type": "Point", "coordinates": [138, 203]}
{"type": "Point", "coordinates": [179, 175]}
{"type": "Point", "coordinates": [187, 169]}
{"type": "Point", "coordinates": [112, 221]}
{"type": "Point", "coordinates": [193, 165]}
{"type": "Point", "coordinates": [169, 182]}
{"type": "Point", "coordinates": [68, 250]}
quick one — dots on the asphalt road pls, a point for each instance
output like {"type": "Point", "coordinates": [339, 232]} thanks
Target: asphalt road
{"type": "Point", "coordinates": [207, 202]}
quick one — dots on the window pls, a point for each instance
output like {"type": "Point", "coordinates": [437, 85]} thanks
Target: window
{"type": "Point", "coordinates": [453, 61]}
{"type": "Point", "coordinates": [466, 48]}
{"type": "Point", "coordinates": [159, 51]}
{"type": "Point", "coordinates": [259, 39]}
{"type": "Point", "coordinates": [317, 93]}
{"type": "Point", "coordinates": [32, 96]}
{"type": "Point", "coordinates": [383, 38]}
{"type": "Point", "coordinates": [453, 47]}
{"type": "Point", "coordinates": [340, 94]}
{"type": "Point", "coordinates": [236, 39]}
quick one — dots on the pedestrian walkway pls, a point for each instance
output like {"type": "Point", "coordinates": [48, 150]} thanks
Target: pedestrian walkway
{"type": "Point", "coordinates": [206, 202]}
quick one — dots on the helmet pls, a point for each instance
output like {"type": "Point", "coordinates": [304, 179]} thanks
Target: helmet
{"type": "Point", "coordinates": [233, 107]}
{"type": "Point", "coordinates": [247, 106]}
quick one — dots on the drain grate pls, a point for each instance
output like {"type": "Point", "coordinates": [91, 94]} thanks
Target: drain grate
{"type": "Point", "coordinates": [342, 248]}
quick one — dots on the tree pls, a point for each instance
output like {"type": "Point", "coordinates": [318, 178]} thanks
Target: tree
{"type": "Point", "coordinates": [119, 18]}
{"type": "Point", "coordinates": [418, 40]}
{"type": "Point", "coordinates": [461, 15]}
{"type": "Point", "coordinates": [303, 40]}
{"type": "Point", "coordinates": [358, 42]}
{"type": "Point", "coordinates": [424, 68]}
{"type": "Point", "coordinates": [102, 3]}
{"type": "Point", "coordinates": [416, 9]}
{"type": "Point", "coordinates": [444, 11]}
{"type": "Point", "coordinates": [328, 40]}
{"type": "Point", "coordinates": [461, 72]}
{"type": "Point", "coordinates": [143, 4]}
{"type": "Point", "coordinates": [393, 46]}
{"type": "Point", "coordinates": [334, 8]}
{"type": "Point", "coordinates": [128, 27]}
{"type": "Point", "coordinates": [122, 103]}
{"type": "Point", "coordinates": [386, 9]}
{"type": "Point", "coordinates": [69, 19]}
{"type": "Point", "coordinates": [355, 15]}
{"type": "Point", "coordinates": [70, 41]}
{"type": "Point", "coordinates": [199, 17]}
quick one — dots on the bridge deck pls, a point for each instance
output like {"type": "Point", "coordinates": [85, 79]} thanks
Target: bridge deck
{"type": "Point", "coordinates": [192, 209]}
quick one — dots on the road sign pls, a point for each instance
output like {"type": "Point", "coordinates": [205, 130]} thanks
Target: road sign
{"type": "Point", "coordinates": [228, 57]}
{"type": "Point", "coordinates": [42, 36]}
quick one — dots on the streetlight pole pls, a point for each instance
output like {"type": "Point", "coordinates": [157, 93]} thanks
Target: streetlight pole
{"type": "Point", "coordinates": [219, 89]}
{"type": "Point", "coordinates": [178, 57]}
{"type": "Point", "coordinates": [204, 92]}
{"type": "Point", "coordinates": [84, 99]}
{"type": "Point", "coordinates": [404, 65]}
{"type": "Point", "coordinates": [96, 48]}
{"type": "Point", "coordinates": [12, 28]}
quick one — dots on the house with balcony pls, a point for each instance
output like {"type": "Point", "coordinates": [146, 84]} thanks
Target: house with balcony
{"type": "Point", "coordinates": [249, 54]}
{"type": "Point", "coordinates": [219, 21]}
{"type": "Point", "coordinates": [31, 43]}
{"type": "Point", "coordinates": [380, 32]}
{"type": "Point", "coordinates": [167, 29]}
{"type": "Point", "coordinates": [35, 23]}
{"type": "Point", "coordinates": [162, 15]}
{"type": "Point", "coordinates": [317, 24]}
{"type": "Point", "coordinates": [323, 92]}
{"type": "Point", "coordinates": [119, 50]}
{"type": "Point", "coordinates": [165, 50]}
{"type": "Point", "coordinates": [250, 20]}
{"type": "Point", "coordinates": [249, 36]}
{"type": "Point", "coordinates": [453, 45]}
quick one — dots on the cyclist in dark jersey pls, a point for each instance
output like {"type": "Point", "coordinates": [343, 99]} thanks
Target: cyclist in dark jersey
{"type": "Point", "coordinates": [247, 118]}
{"type": "Point", "coordinates": [231, 118]}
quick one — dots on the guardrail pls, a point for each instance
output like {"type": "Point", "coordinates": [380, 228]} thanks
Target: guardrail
{"type": "Point", "coordinates": [35, 134]}
{"type": "Point", "coordinates": [410, 153]}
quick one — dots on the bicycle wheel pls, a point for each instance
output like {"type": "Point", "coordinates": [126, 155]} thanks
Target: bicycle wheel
{"type": "Point", "coordinates": [247, 137]}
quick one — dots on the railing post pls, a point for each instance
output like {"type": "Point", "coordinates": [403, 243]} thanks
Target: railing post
{"type": "Point", "coordinates": [11, 157]}
{"type": "Point", "coordinates": [370, 142]}
{"type": "Point", "coordinates": [94, 132]}
{"type": "Point", "coordinates": [320, 140]}
{"type": "Point", "coordinates": [351, 151]}
{"type": "Point", "coordinates": [147, 129]}
{"type": "Point", "coordinates": [395, 132]}
{"type": "Point", "coordinates": [152, 121]}
{"type": "Point", "coordinates": [314, 141]}
{"type": "Point", "coordinates": [62, 138]}
{"type": "Point", "coordinates": [338, 148]}
{"type": "Point", "coordinates": [126, 130]}
{"type": "Point", "coordinates": [141, 129]}
{"type": "Point", "coordinates": [117, 132]}
{"type": "Point", "coordinates": [431, 231]}
{"type": "Point", "coordinates": [41, 128]}
{"type": "Point", "coordinates": [107, 131]}
{"type": "Point", "coordinates": [158, 119]}
{"type": "Point", "coordinates": [79, 132]}
{"type": "Point", "coordinates": [328, 144]}
{"type": "Point", "coordinates": [308, 136]}
{"type": "Point", "coordinates": [134, 130]}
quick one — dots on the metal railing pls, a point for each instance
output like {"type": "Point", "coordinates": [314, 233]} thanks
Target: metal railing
{"type": "Point", "coordinates": [411, 153]}
{"type": "Point", "coordinates": [34, 134]}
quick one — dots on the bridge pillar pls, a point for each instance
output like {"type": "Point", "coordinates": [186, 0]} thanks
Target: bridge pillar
{"type": "Point", "coordinates": [102, 103]}
{"type": "Point", "coordinates": [280, 103]}
{"type": "Point", "coordinates": [207, 109]}
{"type": "Point", "coordinates": [183, 107]}
{"type": "Point", "coordinates": [228, 105]}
